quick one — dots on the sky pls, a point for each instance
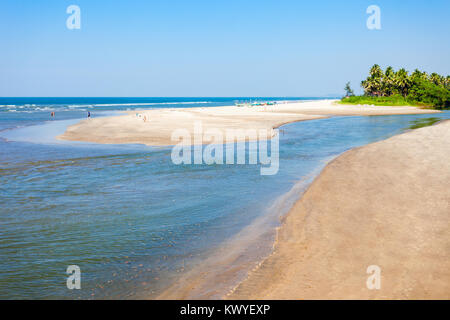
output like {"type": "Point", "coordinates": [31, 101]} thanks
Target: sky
{"type": "Point", "coordinates": [201, 48]}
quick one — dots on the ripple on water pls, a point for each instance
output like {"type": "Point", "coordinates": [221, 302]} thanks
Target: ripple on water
{"type": "Point", "coordinates": [131, 219]}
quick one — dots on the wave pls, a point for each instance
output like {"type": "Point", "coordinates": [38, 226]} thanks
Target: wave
{"type": "Point", "coordinates": [19, 109]}
{"type": "Point", "coordinates": [84, 107]}
{"type": "Point", "coordinates": [148, 104]}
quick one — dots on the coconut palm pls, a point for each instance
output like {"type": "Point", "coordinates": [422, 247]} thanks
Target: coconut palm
{"type": "Point", "coordinates": [418, 88]}
{"type": "Point", "coordinates": [436, 79]}
{"type": "Point", "coordinates": [373, 84]}
{"type": "Point", "coordinates": [417, 74]}
{"type": "Point", "coordinates": [376, 71]}
{"type": "Point", "coordinates": [388, 86]}
{"type": "Point", "coordinates": [402, 81]}
{"type": "Point", "coordinates": [447, 83]}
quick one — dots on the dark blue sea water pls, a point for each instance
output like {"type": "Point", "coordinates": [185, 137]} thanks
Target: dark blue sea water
{"type": "Point", "coordinates": [125, 214]}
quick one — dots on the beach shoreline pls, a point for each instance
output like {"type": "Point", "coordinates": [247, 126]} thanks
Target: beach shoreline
{"type": "Point", "coordinates": [79, 164]}
{"type": "Point", "coordinates": [154, 127]}
{"type": "Point", "coordinates": [228, 265]}
{"type": "Point", "coordinates": [164, 121]}
{"type": "Point", "coordinates": [348, 219]}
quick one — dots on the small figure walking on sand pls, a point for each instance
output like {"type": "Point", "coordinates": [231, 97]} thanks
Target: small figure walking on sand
{"type": "Point", "coordinates": [89, 115]}
{"type": "Point", "coordinates": [52, 114]}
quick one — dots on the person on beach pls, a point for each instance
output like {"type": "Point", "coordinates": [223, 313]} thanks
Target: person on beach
{"type": "Point", "coordinates": [52, 114]}
{"type": "Point", "coordinates": [89, 115]}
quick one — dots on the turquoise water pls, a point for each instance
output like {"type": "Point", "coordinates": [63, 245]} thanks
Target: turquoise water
{"type": "Point", "coordinates": [129, 218]}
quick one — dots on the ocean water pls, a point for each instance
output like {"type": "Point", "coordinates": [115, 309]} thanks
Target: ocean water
{"type": "Point", "coordinates": [134, 222]}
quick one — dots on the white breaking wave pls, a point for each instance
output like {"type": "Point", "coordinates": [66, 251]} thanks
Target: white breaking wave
{"type": "Point", "coordinates": [63, 107]}
{"type": "Point", "coordinates": [147, 104]}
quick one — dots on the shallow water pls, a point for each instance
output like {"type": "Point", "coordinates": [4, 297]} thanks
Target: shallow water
{"type": "Point", "coordinates": [128, 217]}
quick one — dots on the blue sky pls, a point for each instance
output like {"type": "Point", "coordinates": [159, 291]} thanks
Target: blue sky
{"type": "Point", "coordinates": [213, 48]}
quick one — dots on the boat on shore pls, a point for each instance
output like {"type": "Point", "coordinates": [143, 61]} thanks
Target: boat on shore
{"type": "Point", "coordinates": [255, 104]}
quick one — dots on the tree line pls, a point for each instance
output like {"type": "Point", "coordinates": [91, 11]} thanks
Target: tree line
{"type": "Point", "coordinates": [418, 88]}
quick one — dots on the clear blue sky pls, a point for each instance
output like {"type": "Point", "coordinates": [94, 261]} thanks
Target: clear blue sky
{"type": "Point", "coordinates": [213, 48]}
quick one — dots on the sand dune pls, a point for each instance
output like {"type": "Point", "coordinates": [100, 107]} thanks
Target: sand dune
{"type": "Point", "coordinates": [384, 204]}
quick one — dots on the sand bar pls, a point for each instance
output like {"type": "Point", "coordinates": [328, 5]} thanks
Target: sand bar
{"type": "Point", "coordinates": [161, 123]}
{"type": "Point", "coordinates": [384, 204]}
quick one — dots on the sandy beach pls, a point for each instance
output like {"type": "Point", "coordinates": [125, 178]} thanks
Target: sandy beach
{"type": "Point", "coordinates": [385, 204]}
{"type": "Point", "coordinates": [161, 123]}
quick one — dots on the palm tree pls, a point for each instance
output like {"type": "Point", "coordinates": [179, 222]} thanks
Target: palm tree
{"type": "Point", "coordinates": [417, 74]}
{"type": "Point", "coordinates": [436, 79]}
{"type": "Point", "coordinates": [376, 71]}
{"type": "Point", "coordinates": [447, 83]}
{"type": "Point", "coordinates": [372, 85]}
{"type": "Point", "coordinates": [388, 86]}
{"type": "Point", "coordinates": [402, 81]}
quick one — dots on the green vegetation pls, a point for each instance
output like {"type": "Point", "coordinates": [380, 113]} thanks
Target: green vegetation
{"type": "Point", "coordinates": [425, 122]}
{"type": "Point", "coordinates": [399, 89]}
{"type": "Point", "coordinates": [396, 100]}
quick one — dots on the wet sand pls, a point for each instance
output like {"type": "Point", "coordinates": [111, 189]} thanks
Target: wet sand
{"type": "Point", "coordinates": [162, 123]}
{"type": "Point", "coordinates": [384, 204]}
